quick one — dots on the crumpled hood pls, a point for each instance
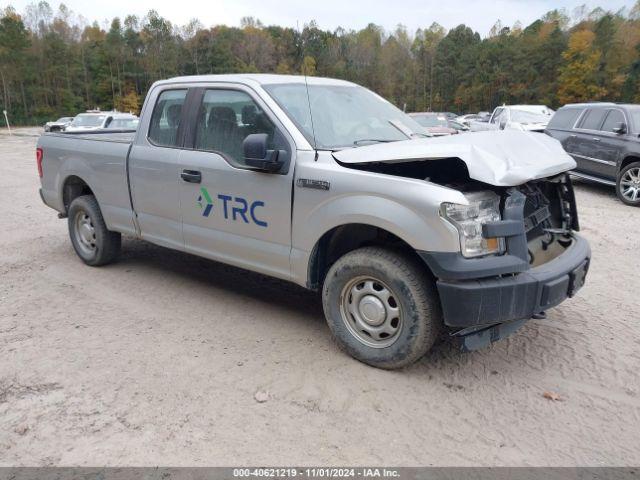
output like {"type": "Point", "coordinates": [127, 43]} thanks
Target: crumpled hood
{"type": "Point", "coordinates": [501, 158]}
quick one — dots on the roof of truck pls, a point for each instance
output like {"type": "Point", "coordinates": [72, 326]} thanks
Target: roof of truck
{"type": "Point", "coordinates": [256, 78]}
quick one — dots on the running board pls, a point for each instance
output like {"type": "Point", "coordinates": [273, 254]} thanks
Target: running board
{"type": "Point", "coordinates": [594, 179]}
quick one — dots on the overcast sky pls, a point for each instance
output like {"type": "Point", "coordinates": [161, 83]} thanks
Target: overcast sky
{"type": "Point", "coordinates": [329, 14]}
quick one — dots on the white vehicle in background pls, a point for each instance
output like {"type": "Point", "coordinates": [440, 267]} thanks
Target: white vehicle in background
{"type": "Point", "coordinates": [89, 121]}
{"type": "Point", "coordinates": [527, 118]}
{"type": "Point", "coordinates": [124, 121]}
{"type": "Point", "coordinates": [58, 125]}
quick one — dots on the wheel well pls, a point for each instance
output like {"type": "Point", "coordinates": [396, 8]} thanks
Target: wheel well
{"type": "Point", "coordinates": [74, 187]}
{"type": "Point", "coordinates": [629, 160]}
{"type": "Point", "coordinates": [343, 239]}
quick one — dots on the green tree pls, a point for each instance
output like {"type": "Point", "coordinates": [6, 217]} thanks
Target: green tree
{"type": "Point", "coordinates": [579, 76]}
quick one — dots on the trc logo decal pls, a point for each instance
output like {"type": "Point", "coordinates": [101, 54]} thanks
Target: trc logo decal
{"type": "Point", "coordinates": [233, 208]}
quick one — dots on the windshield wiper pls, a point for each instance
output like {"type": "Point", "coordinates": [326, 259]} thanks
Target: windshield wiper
{"type": "Point", "coordinates": [372, 140]}
{"type": "Point", "coordinates": [406, 131]}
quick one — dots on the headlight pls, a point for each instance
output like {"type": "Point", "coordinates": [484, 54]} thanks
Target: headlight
{"type": "Point", "coordinates": [468, 219]}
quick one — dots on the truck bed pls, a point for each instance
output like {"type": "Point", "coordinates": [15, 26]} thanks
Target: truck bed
{"type": "Point", "coordinates": [99, 159]}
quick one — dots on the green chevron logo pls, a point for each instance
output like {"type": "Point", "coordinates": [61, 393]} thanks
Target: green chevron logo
{"type": "Point", "coordinates": [204, 202]}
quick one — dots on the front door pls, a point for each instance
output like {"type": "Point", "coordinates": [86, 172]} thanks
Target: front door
{"type": "Point", "coordinates": [611, 143]}
{"type": "Point", "coordinates": [231, 213]}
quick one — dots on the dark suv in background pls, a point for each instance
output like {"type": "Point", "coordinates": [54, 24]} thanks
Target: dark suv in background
{"type": "Point", "coordinates": [603, 140]}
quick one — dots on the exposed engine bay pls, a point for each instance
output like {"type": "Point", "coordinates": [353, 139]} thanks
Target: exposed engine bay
{"type": "Point", "coordinates": [549, 211]}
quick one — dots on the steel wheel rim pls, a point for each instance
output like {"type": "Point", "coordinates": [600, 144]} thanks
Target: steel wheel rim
{"type": "Point", "coordinates": [630, 184]}
{"type": "Point", "coordinates": [84, 232]}
{"type": "Point", "coordinates": [371, 312]}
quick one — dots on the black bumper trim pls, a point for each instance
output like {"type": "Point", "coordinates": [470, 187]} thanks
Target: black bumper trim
{"type": "Point", "coordinates": [490, 301]}
{"type": "Point", "coordinates": [454, 266]}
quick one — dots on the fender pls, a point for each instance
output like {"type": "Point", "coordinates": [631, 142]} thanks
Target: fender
{"type": "Point", "coordinates": [377, 211]}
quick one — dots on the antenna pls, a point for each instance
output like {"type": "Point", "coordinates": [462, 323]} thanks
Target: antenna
{"type": "Point", "coordinates": [313, 130]}
{"type": "Point", "coordinates": [306, 84]}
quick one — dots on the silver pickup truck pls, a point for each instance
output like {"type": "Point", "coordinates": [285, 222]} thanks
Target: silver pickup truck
{"type": "Point", "coordinates": [324, 183]}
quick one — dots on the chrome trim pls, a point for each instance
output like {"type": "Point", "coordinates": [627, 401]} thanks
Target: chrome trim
{"type": "Point", "coordinates": [595, 179]}
{"type": "Point", "coordinates": [606, 162]}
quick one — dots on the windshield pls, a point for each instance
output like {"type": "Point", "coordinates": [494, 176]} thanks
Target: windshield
{"type": "Point", "coordinates": [431, 120]}
{"type": "Point", "coordinates": [124, 123]}
{"type": "Point", "coordinates": [522, 116]}
{"type": "Point", "coordinates": [338, 116]}
{"type": "Point", "coordinates": [88, 120]}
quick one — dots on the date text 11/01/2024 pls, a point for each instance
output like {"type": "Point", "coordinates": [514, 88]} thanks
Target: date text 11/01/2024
{"type": "Point", "coordinates": [316, 472]}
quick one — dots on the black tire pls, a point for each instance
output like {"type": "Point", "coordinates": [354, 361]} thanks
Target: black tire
{"type": "Point", "coordinates": [414, 296]}
{"type": "Point", "coordinates": [634, 168]}
{"type": "Point", "coordinates": [96, 245]}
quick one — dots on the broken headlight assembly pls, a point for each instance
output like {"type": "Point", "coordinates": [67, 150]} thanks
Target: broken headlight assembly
{"type": "Point", "coordinates": [468, 219]}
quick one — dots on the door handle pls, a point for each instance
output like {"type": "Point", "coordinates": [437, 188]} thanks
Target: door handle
{"type": "Point", "coordinates": [573, 135]}
{"type": "Point", "coordinates": [191, 176]}
{"type": "Point", "coordinates": [596, 139]}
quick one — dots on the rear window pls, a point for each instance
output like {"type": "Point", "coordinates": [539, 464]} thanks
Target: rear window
{"type": "Point", "coordinates": [593, 119]}
{"type": "Point", "coordinates": [565, 118]}
{"type": "Point", "coordinates": [165, 120]}
{"type": "Point", "coordinates": [614, 118]}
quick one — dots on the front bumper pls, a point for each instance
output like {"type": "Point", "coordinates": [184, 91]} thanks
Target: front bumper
{"type": "Point", "coordinates": [499, 305]}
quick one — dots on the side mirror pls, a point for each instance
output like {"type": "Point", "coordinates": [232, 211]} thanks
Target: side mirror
{"type": "Point", "coordinates": [503, 123]}
{"type": "Point", "coordinates": [620, 128]}
{"type": "Point", "coordinates": [257, 156]}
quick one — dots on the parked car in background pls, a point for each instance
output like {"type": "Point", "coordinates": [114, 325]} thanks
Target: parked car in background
{"type": "Point", "coordinates": [528, 118]}
{"type": "Point", "coordinates": [123, 121]}
{"type": "Point", "coordinates": [96, 120]}
{"type": "Point", "coordinates": [88, 121]}
{"type": "Point", "coordinates": [436, 124]}
{"type": "Point", "coordinates": [603, 140]}
{"type": "Point", "coordinates": [58, 125]}
{"type": "Point", "coordinates": [460, 127]}
{"type": "Point", "coordinates": [465, 119]}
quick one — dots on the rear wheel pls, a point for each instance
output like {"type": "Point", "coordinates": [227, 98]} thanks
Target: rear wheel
{"type": "Point", "coordinates": [92, 241]}
{"type": "Point", "coordinates": [628, 184]}
{"type": "Point", "coordinates": [381, 307]}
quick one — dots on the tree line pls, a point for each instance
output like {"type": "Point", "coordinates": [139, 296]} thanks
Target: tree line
{"type": "Point", "coordinates": [57, 63]}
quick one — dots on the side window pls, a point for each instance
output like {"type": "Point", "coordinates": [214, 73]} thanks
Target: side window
{"type": "Point", "coordinates": [565, 118]}
{"type": "Point", "coordinates": [592, 119]}
{"type": "Point", "coordinates": [614, 117]}
{"type": "Point", "coordinates": [225, 119]}
{"type": "Point", "coordinates": [165, 119]}
{"type": "Point", "coordinates": [497, 115]}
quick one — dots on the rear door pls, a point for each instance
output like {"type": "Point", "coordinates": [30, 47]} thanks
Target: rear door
{"type": "Point", "coordinates": [561, 126]}
{"type": "Point", "coordinates": [231, 213]}
{"type": "Point", "coordinates": [154, 167]}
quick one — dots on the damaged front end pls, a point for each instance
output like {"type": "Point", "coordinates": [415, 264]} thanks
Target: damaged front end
{"type": "Point", "coordinates": [517, 221]}
{"type": "Point", "coordinates": [543, 261]}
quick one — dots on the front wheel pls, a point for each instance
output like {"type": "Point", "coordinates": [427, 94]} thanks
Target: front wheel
{"type": "Point", "coordinates": [628, 184]}
{"type": "Point", "coordinates": [92, 241]}
{"type": "Point", "coordinates": [382, 307]}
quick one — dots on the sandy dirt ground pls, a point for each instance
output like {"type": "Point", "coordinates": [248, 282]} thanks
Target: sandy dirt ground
{"type": "Point", "coordinates": [156, 360]}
